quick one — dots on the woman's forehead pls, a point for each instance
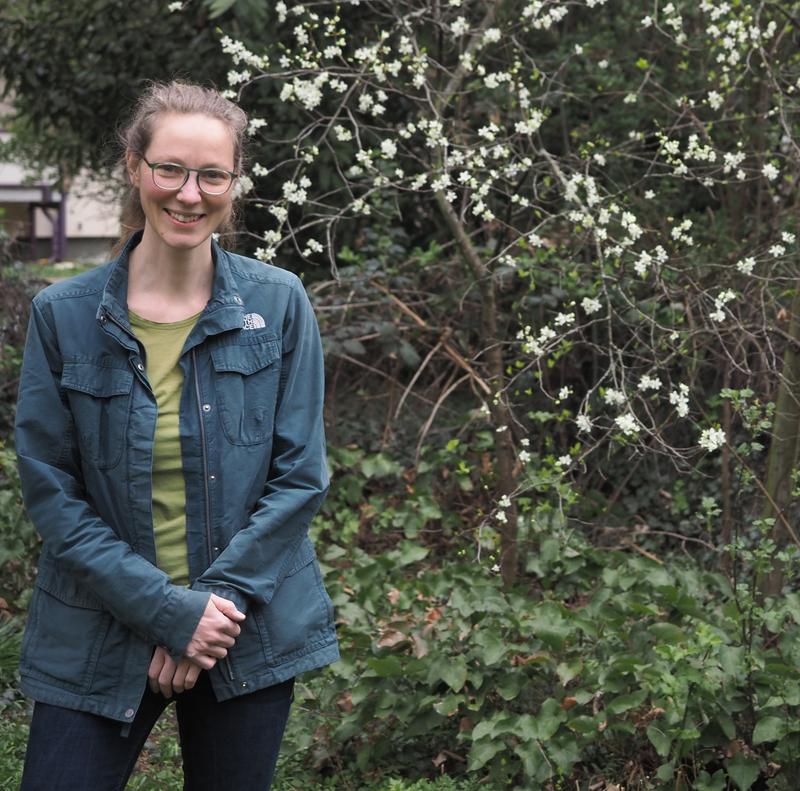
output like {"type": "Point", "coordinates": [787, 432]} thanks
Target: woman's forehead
{"type": "Point", "coordinates": [186, 134]}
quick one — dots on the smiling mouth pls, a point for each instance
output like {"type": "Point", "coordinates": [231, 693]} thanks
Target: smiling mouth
{"type": "Point", "coordinates": [185, 219]}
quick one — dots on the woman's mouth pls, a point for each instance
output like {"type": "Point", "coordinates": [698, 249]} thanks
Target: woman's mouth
{"type": "Point", "coordinates": [184, 219]}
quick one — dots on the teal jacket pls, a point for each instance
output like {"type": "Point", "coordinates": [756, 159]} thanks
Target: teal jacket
{"type": "Point", "coordinates": [254, 461]}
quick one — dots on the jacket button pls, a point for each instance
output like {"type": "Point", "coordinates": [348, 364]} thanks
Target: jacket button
{"type": "Point", "coordinates": [129, 713]}
{"type": "Point", "coordinates": [244, 685]}
{"type": "Point", "coordinates": [212, 477]}
{"type": "Point", "coordinates": [237, 299]}
{"type": "Point", "coordinates": [140, 366]}
{"type": "Point", "coordinates": [206, 407]}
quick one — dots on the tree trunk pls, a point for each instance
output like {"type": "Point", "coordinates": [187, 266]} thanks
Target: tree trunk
{"type": "Point", "coordinates": [783, 452]}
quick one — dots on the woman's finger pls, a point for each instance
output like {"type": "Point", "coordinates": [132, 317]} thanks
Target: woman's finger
{"type": "Point", "coordinates": [192, 674]}
{"type": "Point", "coordinates": [153, 672]}
{"type": "Point", "coordinates": [179, 679]}
{"type": "Point", "coordinates": [165, 677]}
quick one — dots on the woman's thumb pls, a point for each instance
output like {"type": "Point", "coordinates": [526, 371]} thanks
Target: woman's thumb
{"type": "Point", "coordinates": [227, 608]}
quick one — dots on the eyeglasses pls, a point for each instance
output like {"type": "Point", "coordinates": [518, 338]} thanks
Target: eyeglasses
{"type": "Point", "coordinates": [211, 181]}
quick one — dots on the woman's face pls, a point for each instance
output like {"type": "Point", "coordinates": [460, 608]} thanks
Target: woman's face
{"type": "Point", "coordinates": [184, 219]}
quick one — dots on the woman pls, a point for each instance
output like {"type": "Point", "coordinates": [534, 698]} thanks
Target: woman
{"type": "Point", "coordinates": [171, 451]}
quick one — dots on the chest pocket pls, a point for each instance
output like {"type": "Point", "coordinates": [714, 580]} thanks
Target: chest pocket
{"type": "Point", "coordinates": [100, 399]}
{"type": "Point", "coordinates": [247, 388]}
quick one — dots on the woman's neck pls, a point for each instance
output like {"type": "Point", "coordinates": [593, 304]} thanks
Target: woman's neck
{"type": "Point", "coordinates": [167, 285]}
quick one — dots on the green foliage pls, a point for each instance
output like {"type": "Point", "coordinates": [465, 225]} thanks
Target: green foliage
{"type": "Point", "coordinates": [603, 659]}
{"type": "Point", "coordinates": [18, 539]}
{"type": "Point", "coordinates": [75, 67]}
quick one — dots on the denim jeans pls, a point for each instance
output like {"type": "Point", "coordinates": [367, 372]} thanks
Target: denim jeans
{"type": "Point", "coordinates": [228, 745]}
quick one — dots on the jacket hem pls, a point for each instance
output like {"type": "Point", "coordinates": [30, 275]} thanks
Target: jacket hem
{"type": "Point", "coordinates": [224, 689]}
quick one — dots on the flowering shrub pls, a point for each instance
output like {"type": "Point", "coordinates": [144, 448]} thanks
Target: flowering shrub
{"type": "Point", "coordinates": [615, 182]}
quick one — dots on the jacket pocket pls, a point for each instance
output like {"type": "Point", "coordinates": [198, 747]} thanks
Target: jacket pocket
{"type": "Point", "coordinates": [247, 388]}
{"type": "Point", "coordinates": [64, 635]}
{"type": "Point", "coordinates": [99, 399]}
{"type": "Point", "coordinates": [300, 615]}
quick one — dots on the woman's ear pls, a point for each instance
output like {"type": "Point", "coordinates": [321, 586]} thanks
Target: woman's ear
{"type": "Point", "coordinates": [132, 165]}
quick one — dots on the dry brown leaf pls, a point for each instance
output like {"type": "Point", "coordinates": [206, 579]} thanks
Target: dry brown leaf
{"type": "Point", "coordinates": [391, 637]}
{"type": "Point", "coordinates": [345, 702]}
{"type": "Point", "coordinates": [420, 646]}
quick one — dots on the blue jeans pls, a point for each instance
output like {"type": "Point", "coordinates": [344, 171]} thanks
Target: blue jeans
{"type": "Point", "coordinates": [228, 745]}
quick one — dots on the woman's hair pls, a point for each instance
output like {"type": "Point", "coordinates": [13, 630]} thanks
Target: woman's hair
{"type": "Point", "coordinates": [180, 98]}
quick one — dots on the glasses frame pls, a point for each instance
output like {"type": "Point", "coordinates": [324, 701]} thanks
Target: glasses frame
{"type": "Point", "coordinates": [189, 171]}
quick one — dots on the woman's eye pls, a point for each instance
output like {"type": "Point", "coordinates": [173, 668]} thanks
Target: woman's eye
{"type": "Point", "coordinates": [215, 176]}
{"type": "Point", "coordinates": [170, 170]}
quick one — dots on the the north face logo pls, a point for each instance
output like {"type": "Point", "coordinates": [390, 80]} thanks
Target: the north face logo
{"type": "Point", "coordinates": [253, 321]}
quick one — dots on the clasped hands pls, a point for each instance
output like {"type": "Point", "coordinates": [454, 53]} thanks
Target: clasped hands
{"type": "Point", "coordinates": [215, 634]}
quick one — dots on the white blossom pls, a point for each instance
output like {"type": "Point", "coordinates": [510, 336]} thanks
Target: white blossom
{"type": "Point", "coordinates": [583, 422]}
{"type": "Point", "coordinates": [680, 400]}
{"type": "Point", "coordinates": [627, 424]}
{"type": "Point", "coordinates": [712, 439]}
{"type": "Point", "coordinates": [459, 27]}
{"type": "Point", "coordinates": [389, 148]}
{"type": "Point", "coordinates": [613, 397]}
{"type": "Point", "coordinates": [770, 171]}
{"type": "Point", "coordinates": [648, 382]}
{"type": "Point", "coordinates": [564, 319]}
{"type": "Point", "coordinates": [777, 250]}
{"type": "Point", "coordinates": [255, 124]}
{"type": "Point", "coordinates": [591, 305]}
{"type": "Point", "coordinates": [746, 265]}
{"type": "Point", "coordinates": [342, 133]}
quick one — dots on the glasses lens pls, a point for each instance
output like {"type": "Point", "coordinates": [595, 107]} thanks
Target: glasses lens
{"type": "Point", "coordinates": [214, 181]}
{"type": "Point", "coordinates": [169, 177]}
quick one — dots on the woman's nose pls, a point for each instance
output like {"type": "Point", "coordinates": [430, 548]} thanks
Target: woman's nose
{"type": "Point", "coordinates": [190, 191]}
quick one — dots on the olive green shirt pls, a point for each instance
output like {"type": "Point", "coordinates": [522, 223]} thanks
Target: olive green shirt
{"type": "Point", "coordinates": [163, 344]}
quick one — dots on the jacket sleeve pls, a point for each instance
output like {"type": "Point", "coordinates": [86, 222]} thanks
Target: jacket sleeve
{"type": "Point", "coordinates": [77, 540]}
{"type": "Point", "coordinates": [258, 556]}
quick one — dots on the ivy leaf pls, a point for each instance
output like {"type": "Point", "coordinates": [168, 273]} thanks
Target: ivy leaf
{"type": "Point", "coordinates": [550, 716]}
{"type": "Point", "coordinates": [453, 671]}
{"type": "Point", "coordinates": [493, 647]}
{"type": "Point", "coordinates": [386, 667]}
{"type": "Point", "coordinates": [659, 740]}
{"type": "Point", "coordinates": [769, 729]}
{"type": "Point", "coordinates": [743, 771]}
{"type": "Point", "coordinates": [626, 702]}
{"type": "Point", "coordinates": [482, 752]}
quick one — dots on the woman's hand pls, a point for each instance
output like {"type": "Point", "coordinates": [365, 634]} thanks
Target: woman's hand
{"type": "Point", "coordinates": [215, 634]}
{"type": "Point", "coordinates": [166, 677]}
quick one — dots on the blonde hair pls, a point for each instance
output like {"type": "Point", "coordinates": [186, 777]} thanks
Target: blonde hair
{"type": "Point", "coordinates": [180, 98]}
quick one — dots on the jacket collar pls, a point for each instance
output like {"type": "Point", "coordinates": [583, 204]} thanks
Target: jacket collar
{"type": "Point", "coordinates": [223, 312]}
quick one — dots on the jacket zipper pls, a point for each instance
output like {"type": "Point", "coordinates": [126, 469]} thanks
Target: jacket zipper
{"type": "Point", "coordinates": [204, 452]}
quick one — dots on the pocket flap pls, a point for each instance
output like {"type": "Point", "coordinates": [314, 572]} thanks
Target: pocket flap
{"type": "Point", "coordinates": [96, 380]}
{"type": "Point", "coordinates": [246, 359]}
{"type": "Point", "coordinates": [304, 555]}
{"type": "Point", "coordinates": [65, 588]}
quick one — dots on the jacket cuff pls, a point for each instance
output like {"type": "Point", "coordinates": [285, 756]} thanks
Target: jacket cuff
{"type": "Point", "coordinates": [224, 592]}
{"type": "Point", "coordinates": [178, 619]}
